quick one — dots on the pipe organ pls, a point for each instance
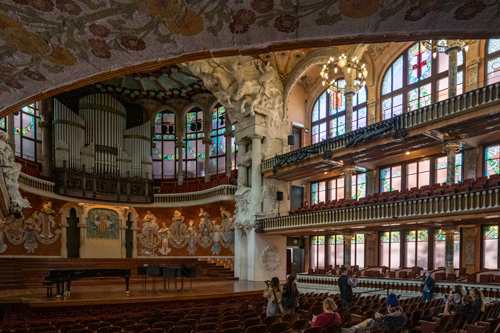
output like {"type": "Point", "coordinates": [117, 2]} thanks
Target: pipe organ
{"type": "Point", "coordinates": [96, 139]}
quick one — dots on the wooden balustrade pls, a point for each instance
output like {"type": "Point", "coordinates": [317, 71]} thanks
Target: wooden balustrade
{"type": "Point", "coordinates": [221, 192]}
{"type": "Point", "coordinates": [322, 283]}
{"type": "Point", "coordinates": [452, 107]}
{"type": "Point", "coordinates": [445, 205]}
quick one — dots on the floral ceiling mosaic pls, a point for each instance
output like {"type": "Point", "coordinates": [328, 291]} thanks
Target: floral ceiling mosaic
{"type": "Point", "coordinates": [49, 43]}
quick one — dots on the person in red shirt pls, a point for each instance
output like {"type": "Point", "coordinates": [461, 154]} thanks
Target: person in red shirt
{"type": "Point", "coordinates": [329, 315]}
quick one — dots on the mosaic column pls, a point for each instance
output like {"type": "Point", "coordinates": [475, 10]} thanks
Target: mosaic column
{"type": "Point", "coordinates": [449, 234]}
{"type": "Point", "coordinates": [180, 174]}
{"type": "Point", "coordinates": [207, 141]}
{"type": "Point", "coordinates": [470, 253]}
{"type": "Point", "coordinates": [473, 69]}
{"type": "Point", "coordinates": [11, 132]}
{"type": "Point", "coordinates": [46, 126]}
{"type": "Point", "coordinates": [348, 172]}
{"type": "Point", "coordinates": [242, 169]}
{"type": "Point", "coordinates": [371, 181]}
{"type": "Point", "coordinates": [370, 250]}
{"type": "Point", "coordinates": [349, 94]}
{"type": "Point", "coordinates": [452, 49]}
{"type": "Point", "coordinates": [229, 165]}
{"type": "Point", "coordinates": [451, 148]}
{"type": "Point", "coordinates": [347, 250]}
{"type": "Point", "coordinates": [256, 166]}
{"type": "Point", "coordinates": [470, 159]}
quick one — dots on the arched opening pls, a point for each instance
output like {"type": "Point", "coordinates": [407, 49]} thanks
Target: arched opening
{"type": "Point", "coordinates": [73, 235]}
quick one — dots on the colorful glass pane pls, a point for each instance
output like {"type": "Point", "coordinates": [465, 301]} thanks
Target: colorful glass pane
{"type": "Point", "coordinates": [439, 235]}
{"type": "Point", "coordinates": [29, 110]}
{"type": "Point", "coordinates": [460, 77]}
{"type": "Point", "coordinates": [493, 45]}
{"type": "Point", "coordinates": [2, 123]}
{"type": "Point", "coordinates": [425, 95]}
{"type": "Point", "coordinates": [491, 232]}
{"type": "Point", "coordinates": [493, 65]}
{"type": "Point", "coordinates": [360, 186]}
{"type": "Point", "coordinates": [361, 96]}
{"type": "Point", "coordinates": [456, 235]}
{"type": "Point", "coordinates": [413, 64]}
{"type": "Point", "coordinates": [413, 99]}
{"type": "Point", "coordinates": [315, 113]}
{"type": "Point", "coordinates": [331, 240]}
{"type": "Point", "coordinates": [385, 179]}
{"type": "Point", "coordinates": [397, 73]}
{"type": "Point", "coordinates": [360, 238]}
{"type": "Point", "coordinates": [395, 237]}
{"type": "Point", "coordinates": [387, 83]}
{"type": "Point", "coordinates": [322, 106]}
{"type": "Point", "coordinates": [314, 240]}
{"type": "Point", "coordinates": [423, 235]}
{"type": "Point", "coordinates": [492, 157]}
{"type": "Point", "coordinates": [425, 63]}
{"type": "Point", "coordinates": [460, 58]}
{"type": "Point", "coordinates": [320, 240]}
{"type": "Point", "coordinates": [384, 237]}
{"type": "Point", "coordinates": [410, 236]}
{"type": "Point", "coordinates": [340, 239]}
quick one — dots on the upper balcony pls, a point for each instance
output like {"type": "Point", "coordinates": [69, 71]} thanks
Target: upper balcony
{"type": "Point", "coordinates": [463, 116]}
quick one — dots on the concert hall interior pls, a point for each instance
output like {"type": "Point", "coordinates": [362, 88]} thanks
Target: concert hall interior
{"type": "Point", "coordinates": [164, 159]}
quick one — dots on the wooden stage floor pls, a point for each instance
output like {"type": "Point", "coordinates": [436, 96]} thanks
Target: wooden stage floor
{"type": "Point", "coordinates": [105, 294]}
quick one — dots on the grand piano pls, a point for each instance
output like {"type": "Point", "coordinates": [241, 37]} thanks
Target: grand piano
{"type": "Point", "coordinates": [61, 276]}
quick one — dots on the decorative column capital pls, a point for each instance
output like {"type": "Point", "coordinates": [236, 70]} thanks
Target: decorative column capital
{"type": "Point", "coordinates": [180, 144]}
{"type": "Point", "coordinates": [452, 147]}
{"type": "Point", "coordinates": [206, 140]}
{"type": "Point", "coordinates": [349, 169]}
{"type": "Point", "coordinates": [348, 237]}
{"type": "Point", "coordinates": [473, 62]}
{"type": "Point", "coordinates": [450, 230]}
{"type": "Point", "coordinates": [469, 231]}
{"type": "Point", "coordinates": [453, 46]}
{"type": "Point", "coordinates": [372, 174]}
{"type": "Point", "coordinates": [229, 133]}
{"type": "Point", "coordinates": [256, 136]}
{"type": "Point", "coordinates": [46, 123]}
{"type": "Point", "coordinates": [349, 92]}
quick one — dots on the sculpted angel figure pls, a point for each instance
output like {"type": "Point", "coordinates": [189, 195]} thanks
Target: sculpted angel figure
{"type": "Point", "coordinates": [164, 232]}
{"type": "Point", "coordinates": [151, 225]}
{"type": "Point", "coordinates": [48, 220]}
{"type": "Point", "coordinates": [191, 234]}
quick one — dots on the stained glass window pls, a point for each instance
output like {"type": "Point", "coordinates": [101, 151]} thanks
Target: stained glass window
{"type": "Point", "coordinates": [3, 125]}
{"type": "Point", "coordinates": [492, 159]}
{"type": "Point", "coordinates": [409, 82]}
{"type": "Point", "coordinates": [336, 189]}
{"type": "Point", "coordinates": [417, 246]}
{"type": "Point", "coordinates": [336, 250]}
{"type": "Point", "coordinates": [441, 169]}
{"type": "Point", "coordinates": [390, 179]}
{"type": "Point", "coordinates": [318, 192]}
{"type": "Point", "coordinates": [358, 186]}
{"type": "Point", "coordinates": [390, 245]}
{"type": "Point", "coordinates": [164, 152]}
{"type": "Point", "coordinates": [490, 247]}
{"type": "Point", "coordinates": [194, 153]}
{"type": "Point", "coordinates": [28, 134]}
{"type": "Point", "coordinates": [493, 70]}
{"type": "Point", "coordinates": [418, 174]}
{"type": "Point", "coordinates": [332, 123]}
{"type": "Point", "coordinates": [439, 249]}
{"type": "Point", "coordinates": [219, 145]}
{"type": "Point", "coordinates": [318, 252]}
{"type": "Point", "coordinates": [493, 46]}
{"type": "Point", "coordinates": [358, 250]}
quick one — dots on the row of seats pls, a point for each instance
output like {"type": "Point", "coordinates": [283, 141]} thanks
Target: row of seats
{"type": "Point", "coordinates": [427, 191]}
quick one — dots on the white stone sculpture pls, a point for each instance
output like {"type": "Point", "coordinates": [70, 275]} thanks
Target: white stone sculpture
{"type": "Point", "coordinates": [149, 236]}
{"type": "Point", "coordinates": [191, 236]}
{"type": "Point", "coordinates": [11, 171]}
{"type": "Point", "coordinates": [270, 258]}
{"type": "Point", "coordinates": [205, 229]}
{"type": "Point", "coordinates": [164, 233]}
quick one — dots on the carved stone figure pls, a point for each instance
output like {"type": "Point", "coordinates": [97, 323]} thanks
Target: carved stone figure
{"type": "Point", "coordinates": [11, 171]}
{"type": "Point", "coordinates": [216, 235]}
{"type": "Point", "coordinates": [178, 231]}
{"type": "Point", "coordinates": [244, 210]}
{"type": "Point", "coordinates": [164, 232]}
{"type": "Point", "coordinates": [227, 228]}
{"type": "Point", "coordinates": [205, 229]}
{"type": "Point", "coordinates": [48, 220]}
{"type": "Point", "coordinates": [149, 233]}
{"type": "Point", "coordinates": [191, 235]}
{"type": "Point", "coordinates": [245, 159]}
{"type": "Point", "coordinates": [3, 229]}
{"type": "Point", "coordinates": [30, 228]}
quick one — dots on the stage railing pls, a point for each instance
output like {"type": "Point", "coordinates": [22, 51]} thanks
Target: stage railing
{"type": "Point", "coordinates": [478, 98]}
{"type": "Point", "coordinates": [421, 208]}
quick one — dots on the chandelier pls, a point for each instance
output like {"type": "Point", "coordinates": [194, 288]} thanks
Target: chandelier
{"type": "Point", "coordinates": [333, 66]}
{"type": "Point", "coordinates": [441, 46]}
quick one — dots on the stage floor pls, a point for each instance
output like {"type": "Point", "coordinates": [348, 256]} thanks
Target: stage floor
{"type": "Point", "coordinates": [105, 294]}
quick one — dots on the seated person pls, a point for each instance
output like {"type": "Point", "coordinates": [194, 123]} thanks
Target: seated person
{"type": "Point", "coordinates": [466, 306]}
{"type": "Point", "coordinates": [395, 319]}
{"type": "Point", "coordinates": [329, 316]}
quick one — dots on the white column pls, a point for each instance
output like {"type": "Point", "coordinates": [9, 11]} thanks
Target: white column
{"type": "Point", "coordinates": [256, 166]}
{"type": "Point", "coordinates": [207, 141]}
{"type": "Point", "coordinates": [451, 148]}
{"type": "Point", "coordinates": [349, 94]}
{"type": "Point", "coordinates": [449, 234]}
{"type": "Point", "coordinates": [228, 135]}
{"type": "Point", "coordinates": [11, 132]}
{"type": "Point", "coordinates": [242, 170]}
{"type": "Point", "coordinates": [180, 160]}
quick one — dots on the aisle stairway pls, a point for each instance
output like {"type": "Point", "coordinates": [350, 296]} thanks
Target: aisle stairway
{"type": "Point", "coordinates": [23, 273]}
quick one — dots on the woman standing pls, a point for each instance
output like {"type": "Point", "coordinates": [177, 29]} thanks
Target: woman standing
{"type": "Point", "coordinates": [273, 294]}
{"type": "Point", "coordinates": [290, 294]}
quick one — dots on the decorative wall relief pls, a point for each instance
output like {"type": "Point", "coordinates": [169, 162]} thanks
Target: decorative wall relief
{"type": "Point", "coordinates": [149, 236]}
{"type": "Point", "coordinates": [103, 223]}
{"type": "Point", "coordinates": [270, 258]}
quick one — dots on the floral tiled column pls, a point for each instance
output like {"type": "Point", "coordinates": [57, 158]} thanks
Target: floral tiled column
{"type": "Point", "coordinates": [470, 246]}
{"type": "Point", "coordinates": [347, 250]}
{"type": "Point", "coordinates": [451, 148]}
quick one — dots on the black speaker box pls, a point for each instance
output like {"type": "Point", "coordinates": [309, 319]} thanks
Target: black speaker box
{"type": "Point", "coordinates": [279, 196]}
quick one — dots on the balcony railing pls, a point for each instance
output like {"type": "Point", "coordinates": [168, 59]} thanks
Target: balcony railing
{"type": "Point", "coordinates": [36, 183]}
{"type": "Point", "coordinates": [471, 202]}
{"type": "Point", "coordinates": [222, 192]}
{"type": "Point", "coordinates": [438, 111]}
{"type": "Point", "coordinates": [322, 283]}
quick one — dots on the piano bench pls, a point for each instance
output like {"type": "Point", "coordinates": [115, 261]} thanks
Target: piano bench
{"type": "Point", "coordinates": [49, 285]}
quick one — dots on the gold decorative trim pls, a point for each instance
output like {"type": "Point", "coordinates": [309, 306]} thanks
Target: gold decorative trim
{"type": "Point", "coordinates": [102, 108]}
{"type": "Point", "coordinates": [72, 123]}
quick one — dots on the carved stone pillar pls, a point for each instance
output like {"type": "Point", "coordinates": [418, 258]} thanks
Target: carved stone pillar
{"type": "Point", "coordinates": [123, 241]}
{"type": "Point", "coordinates": [372, 111]}
{"type": "Point", "coordinates": [470, 248]}
{"type": "Point", "coordinates": [449, 234]}
{"type": "Point", "coordinates": [370, 250]}
{"type": "Point", "coordinates": [349, 94]}
{"type": "Point", "coordinates": [242, 169]}
{"type": "Point", "coordinates": [256, 166]}
{"type": "Point", "coordinates": [207, 141]}
{"type": "Point", "coordinates": [46, 126]}
{"type": "Point", "coordinates": [348, 172]}
{"type": "Point", "coordinates": [371, 182]}
{"type": "Point", "coordinates": [83, 229]}
{"type": "Point", "coordinates": [473, 69]}
{"type": "Point", "coordinates": [347, 250]}
{"type": "Point", "coordinates": [228, 135]}
{"type": "Point", "coordinates": [180, 173]}
{"type": "Point", "coordinates": [452, 48]}
{"type": "Point", "coordinates": [64, 238]}
{"type": "Point", "coordinates": [11, 132]}
{"type": "Point", "coordinates": [451, 148]}
{"type": "Point", "coordinates": [134, 240]}
{"type": "Point", "coordinates": [470, 159]}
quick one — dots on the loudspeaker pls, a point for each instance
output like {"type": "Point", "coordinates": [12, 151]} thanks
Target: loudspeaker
{"type": "Point", "coordinates": [279, 196]}
{"type": "Point", "coordinates": [291, 140]}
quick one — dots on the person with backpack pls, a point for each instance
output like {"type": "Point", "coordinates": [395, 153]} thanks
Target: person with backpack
{"type": "Point", "coordinates": [290, 295]}
{"type": "Point", "coordinates": [273, 294]}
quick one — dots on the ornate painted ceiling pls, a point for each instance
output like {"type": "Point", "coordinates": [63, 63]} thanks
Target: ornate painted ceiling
{"type": "Point", "coordinates": [49, 46]}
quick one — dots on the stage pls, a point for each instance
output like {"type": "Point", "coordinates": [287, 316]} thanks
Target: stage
{"type": "Point", "coordinates": [106, 294]}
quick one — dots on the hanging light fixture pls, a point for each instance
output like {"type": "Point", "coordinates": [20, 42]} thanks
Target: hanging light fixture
{"type": "Point", "coordinates": [334, 65]}
{"type": "Point", "coordinates": [441, 46]}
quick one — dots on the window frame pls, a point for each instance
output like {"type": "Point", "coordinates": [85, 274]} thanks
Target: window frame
{"type": "Point", "coordinates": [327, 187]}
{"type": "Point", "coordinates": [390, 252]}
{"type": "Point", "coordinates": [220, 131]}
{"type": "Point", "coordinates": [156, 158]}
{"type": "Point", "coordinates": [19, 151]}
{"type": "Point", "coordinates": [488, 57]}
{"type": "Point", "coordinates": [406, 87]}
{"type": "Point", "coordinates": [200, 135]}
{"type": "Point", "coordinates": [483, 229]}
{"type": "Point", "coordinates": [416, 246]}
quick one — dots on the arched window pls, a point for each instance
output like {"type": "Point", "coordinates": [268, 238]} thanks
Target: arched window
{"type": "Point", "coordinates": [415, 79]}
{"type": "Point", "coordinates": [164, 154]}
{"type": "Point", "coordinates": [194, 153]}
{"type": "Point", "coordinates": [3, 125]}
{"type": "Point", "coordinates": [493, 61]}
{"type": "Point", "coordinates": [328, 115]}
{"type": "Point", "coordinates": [219, 145]}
